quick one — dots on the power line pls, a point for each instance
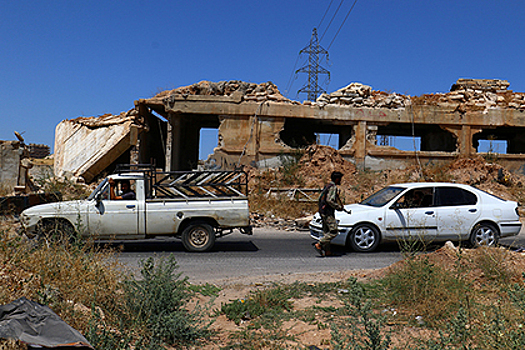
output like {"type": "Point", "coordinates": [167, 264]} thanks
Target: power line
{"type": "Point", "coordinates": [322, 19]}
{"type": "Point", "coordinates": [290, 82]}
{"type": "Point", "coordinates": [329, 24]}
{"type": "Point", "coordinates": [351, 8]}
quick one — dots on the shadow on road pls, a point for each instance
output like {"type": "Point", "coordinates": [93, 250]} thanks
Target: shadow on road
{"type": "Point", "coordinates": [174, 246]}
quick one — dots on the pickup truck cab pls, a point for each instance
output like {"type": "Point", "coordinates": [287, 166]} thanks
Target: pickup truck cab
{"type": "Point", "coordinates": [196, 206]}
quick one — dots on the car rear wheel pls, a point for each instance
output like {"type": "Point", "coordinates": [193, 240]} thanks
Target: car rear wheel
{"type": "Point", "coordinates": [484, 234]}
{"type": "Point", "coordinates": [364, 238]}
{"type": "Point", "coordinates": [199, 236]}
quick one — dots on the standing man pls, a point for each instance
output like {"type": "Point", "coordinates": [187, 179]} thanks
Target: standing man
{"type": "Point", "coordinates": [329, 202]}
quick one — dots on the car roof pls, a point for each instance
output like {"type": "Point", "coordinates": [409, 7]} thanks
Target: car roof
{"type": "Point", "coordinates": [430, 184]}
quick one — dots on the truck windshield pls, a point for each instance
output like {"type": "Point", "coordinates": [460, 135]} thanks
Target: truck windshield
{"type": "Point", "coordinates": [97, 190]}
{"type": "Point", "coordinates": [383, 196]}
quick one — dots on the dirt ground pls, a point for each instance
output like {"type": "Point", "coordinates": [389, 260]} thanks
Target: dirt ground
{"type": "Point", "coordinates": [308, 334]}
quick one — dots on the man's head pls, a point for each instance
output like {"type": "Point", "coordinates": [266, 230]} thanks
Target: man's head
{"type": "Point", "coordinates": [125, 186]}
{"type": "Point", "coordinates": [336, 177]}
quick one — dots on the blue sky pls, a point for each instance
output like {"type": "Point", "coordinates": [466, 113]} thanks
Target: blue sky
{"type": "Point", "coordinates": [64, 59]}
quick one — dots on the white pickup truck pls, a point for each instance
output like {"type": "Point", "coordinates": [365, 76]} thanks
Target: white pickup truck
{"type": "Point", "coordinates": [195, 206]}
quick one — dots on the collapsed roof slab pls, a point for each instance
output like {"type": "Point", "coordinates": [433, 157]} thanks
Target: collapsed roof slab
{"type": "Point", "coordinates": [85, 146]}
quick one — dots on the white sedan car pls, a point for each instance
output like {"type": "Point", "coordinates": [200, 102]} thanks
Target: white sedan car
{"type": "Point", "coordinates": [428, 212]}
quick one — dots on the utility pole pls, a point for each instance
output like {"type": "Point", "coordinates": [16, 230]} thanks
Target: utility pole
{"type": "Point", "coordinates": [313, 49]}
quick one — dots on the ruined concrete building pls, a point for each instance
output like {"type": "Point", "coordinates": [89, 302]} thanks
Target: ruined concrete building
{"type": "Point", "coordinates": [19, 163]}
{"type": "Point", "coordinates": [257, 125]}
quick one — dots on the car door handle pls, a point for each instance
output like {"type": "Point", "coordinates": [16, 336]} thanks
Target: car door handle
{"type": "Point", "coordinates": [473, 210]}
{"type": "Point", "coordinates": [130, 206]}
{"type": "Point", "coordinates": [429, 212]}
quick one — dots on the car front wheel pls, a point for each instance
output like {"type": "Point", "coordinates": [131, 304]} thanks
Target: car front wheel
{"type": "Point", "coordinates": [364, 238]}
{"type": "Point", "coordinates": [484, 234]}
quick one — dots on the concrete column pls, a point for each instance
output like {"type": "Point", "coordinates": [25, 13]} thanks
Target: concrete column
{"type": "Point", "coordinates": [169, 144]}
{"type": "Point", "coordinates": [465, 140]}
{"type": "Point", "coordinates": [176, 133]}
{"type": "Point", "coordinates": [360, 142]}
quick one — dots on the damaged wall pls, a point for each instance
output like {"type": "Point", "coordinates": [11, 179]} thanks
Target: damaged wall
{"type": "Point", "coordinates": [257, 123]}
{"type": "Point", "coordinates": [258, 126]}
{"type": "Point", "coordinates": [19, 163]}
{"type": "Point", "coordinates": [10, 156]}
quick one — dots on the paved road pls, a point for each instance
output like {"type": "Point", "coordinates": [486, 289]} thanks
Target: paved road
{"type": "Point", "coordinates": [267, 252]}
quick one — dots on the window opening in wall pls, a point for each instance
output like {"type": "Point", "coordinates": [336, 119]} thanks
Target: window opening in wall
{"type": "Point", "coordinates": [501, 140]}
{"type": "Point", "coordinates": [331, 140]}
{"type": "Point", "coordinates": [208, 140]}
{"type": "Point", "coordinates": [492, 146]}
{"type": "Point", "coordinates": [402, 143]}
{"type": "Point", "coordinates": [425, 138]}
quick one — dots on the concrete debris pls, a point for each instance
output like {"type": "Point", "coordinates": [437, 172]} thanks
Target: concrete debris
{"type": "Point", "coordinates": [261, 220]}
{"type": "Point", "coordinates": [475, 95]}
{"type": "Point", "coordinates": [465, 94]}
{"type": "Point", "coordinates": [318, 162]}
{"type": "Point", "coordinates": [250, 92]}
{"type": "Point", "coordinates": [494, 85]}
{"type": "Point", "coordinates": [359, 95]}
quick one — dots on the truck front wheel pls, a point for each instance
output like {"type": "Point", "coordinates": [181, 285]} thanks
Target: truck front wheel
{"type": "Point", "coordinates": [199, 236]}
{"type": "Point", "coordinates": [54, 230]}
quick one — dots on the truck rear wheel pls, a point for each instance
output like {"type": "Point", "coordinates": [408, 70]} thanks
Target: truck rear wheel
{"type": "Point", "coordinates": [199, 236]}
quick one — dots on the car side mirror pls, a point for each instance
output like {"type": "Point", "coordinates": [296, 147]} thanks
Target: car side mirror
{"type": "Point", "coordinates": [98, 197]}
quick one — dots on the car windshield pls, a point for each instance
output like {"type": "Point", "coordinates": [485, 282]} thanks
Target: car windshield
{"type": "Point", "coordinates": [97, 190]}
{"type": "Point", "coordinates": [383, 196]}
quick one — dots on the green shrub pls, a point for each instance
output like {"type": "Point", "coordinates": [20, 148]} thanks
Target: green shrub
{"type": "Point", "coordinates": [155, 305]}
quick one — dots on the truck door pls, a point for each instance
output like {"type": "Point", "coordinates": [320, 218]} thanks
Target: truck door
{"type": "Point", "coordinates": [118, 219]}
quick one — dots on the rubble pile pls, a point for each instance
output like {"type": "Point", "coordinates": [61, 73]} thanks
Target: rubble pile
{"type": "Point", "coordinates": [359, 95]}
{"type": "Point", "coordinates": [318, 162]}
{"type": "Point", "coordinates": [490, 177]}
{"type": "Point", "coordinates": [475, 95]}
{"type": "Point", "coordinates": [465, 94]}
{"type": "Point", "coordinates": [249, 91]}
{"type": "Point", "coordinates": [109, 119]}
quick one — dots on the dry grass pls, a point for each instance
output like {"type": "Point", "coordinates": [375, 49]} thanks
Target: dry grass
{"type": "Point", "coordinates": [69, 279]}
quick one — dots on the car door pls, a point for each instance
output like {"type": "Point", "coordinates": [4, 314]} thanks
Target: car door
{"type": "Point", "coordinates": [410, 219]}
{"type": "Point", "coordinates": [457, 212]}
{"type": "Point", "coordinates": [113, 218]}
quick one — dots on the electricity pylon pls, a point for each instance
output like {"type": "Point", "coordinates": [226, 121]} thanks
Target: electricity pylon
{"type": "Point", "coordinates": [313, 49]}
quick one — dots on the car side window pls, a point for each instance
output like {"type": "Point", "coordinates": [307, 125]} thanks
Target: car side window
{"type": "Point", "coordinates": [417, 198]}
{"type": "Point", "coordinates": [452, 196]}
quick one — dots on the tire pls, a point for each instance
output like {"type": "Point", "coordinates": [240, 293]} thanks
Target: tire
{"type": "Point", "coordinates": [55, 231]}
{"type": "Point", "coordinates": [484, 234]}
{"type": "Point", "coordinates": [199, 236]}
{"type": "Point", "coordinates": [364, 238]}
